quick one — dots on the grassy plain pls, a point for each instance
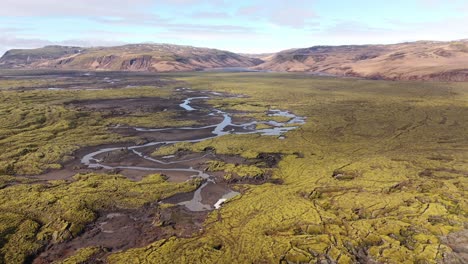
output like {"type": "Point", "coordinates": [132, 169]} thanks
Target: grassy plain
{"type": "Point", "coordinates": [379, 172]}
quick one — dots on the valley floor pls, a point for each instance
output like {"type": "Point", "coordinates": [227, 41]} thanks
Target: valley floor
{"type": "Point", "coordinates": [108, 167]}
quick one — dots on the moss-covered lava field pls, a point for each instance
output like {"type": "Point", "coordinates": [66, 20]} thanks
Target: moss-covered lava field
{"type": "Point", "coordinates": [102, 167]}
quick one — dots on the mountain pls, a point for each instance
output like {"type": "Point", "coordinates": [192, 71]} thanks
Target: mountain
{"type": "Point", "coordinates": [136, 57]}
{"type": "Point", "coordinates": [262, 56]}
{"type": "Point", "coordinates": [422, 60]}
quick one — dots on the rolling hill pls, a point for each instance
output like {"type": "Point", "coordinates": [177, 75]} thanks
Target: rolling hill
{"type": "Point", "coordinates": [423, 60]}
{"type": "Point", "coordinates": [136, 57]}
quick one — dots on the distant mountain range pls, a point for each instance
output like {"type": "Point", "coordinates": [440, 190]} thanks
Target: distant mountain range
{"type": "Point", "coordinates": [136, 57]}
{"type": "Point", "coordinates": [422, 60]}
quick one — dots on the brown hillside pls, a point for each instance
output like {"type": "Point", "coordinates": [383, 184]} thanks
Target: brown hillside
{"type": "Point", "coordinates": [138, 57]}
{"type": "Point", "coordinates": [423, 60]}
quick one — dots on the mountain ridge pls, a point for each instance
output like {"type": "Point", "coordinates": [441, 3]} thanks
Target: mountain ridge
{"type": "Point", "coordinates": [130, 57]}
{"type": "Point", "coordinates": [420, 60]}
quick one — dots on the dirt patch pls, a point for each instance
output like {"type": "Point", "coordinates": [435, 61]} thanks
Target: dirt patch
{"type": "Point", "coordinates": [166, 135]}
{"type": "Point", "coordinates": [343, 175]}
{"type": "Point", "coordinates": [168, 167]}
{"type": "Point", "coordinates": [74, 166]}
{"type": "Point", "coordinates": [266, 161]}
{"type": "Point", "coordinates": [211, 193]}
{"type": "Point", "coordinates": [263, 160]}
{"type": "Point", "coordinates": [442, 173]}
{"type": "Point", "coordinates": [458, 242]}
{"type": "Point", "coordinates": [124, 229]}
{"type": "Point", "coordinates": [270, 160]}
{"type": "Point", "coordinates": [123, 106]}
{"type": "Point", "coordinates": [89, 81]}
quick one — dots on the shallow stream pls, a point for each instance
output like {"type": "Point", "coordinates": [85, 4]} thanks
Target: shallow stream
{"type": "Point", "coordinates": [225, 127]}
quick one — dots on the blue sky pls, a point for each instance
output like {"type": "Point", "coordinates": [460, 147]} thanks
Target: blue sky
{"type": "Point", "coordinates": [254, 26]}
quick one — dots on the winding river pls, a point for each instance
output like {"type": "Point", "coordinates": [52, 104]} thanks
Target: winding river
{"type": "Point", "coordinates": [225, 127]}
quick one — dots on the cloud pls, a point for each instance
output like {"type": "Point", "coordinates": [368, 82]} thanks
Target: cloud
{"type": "Point", "coordinates": [5, 30]}
{"type": "Point", "coordinates": [193, 2]}
{"type": "Point", "coordinates": [179, 28]}
{"type": "Point", "coordinates": [295, 17]}
{"type": "Point", "coordinates": [354, 28]}
{"type": "Point", "coordinates": [8, 42]}
{"type": "Point", "coordinates": [142, 20]}
{"type": "Point", "coordinates": [438, 3]}
{"type": "Point", "coordinates": [211, 28]}
{"type": "Point", "coordinates": [123, 21]}
{"type": "Point", "coordinates": [160, 14]}
{"type": "Point", "coordinates": [94, 8]}
{"type": "Point", "coordinates": [292, 13]}
{"type": "Point", "coordinates": [458, 6]}
{"type": "Point", "coordinates": [211, 15]}
{"type": "Point", "coordinates": [74, 7]}
{"type": "Point", "coordinates": [355, 32]}
{"type": "Point", "coordinates": [137, 23]}
{"type": "Point", "coordinates": [221, 23]}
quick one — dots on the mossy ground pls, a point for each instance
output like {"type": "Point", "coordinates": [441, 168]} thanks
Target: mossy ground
{"type": "Point", "coordinates": [235, 170]}
{"type": "Point", "coordinates": [400, 148]}
{"type": "Point", "coordinates": [39, 132]}
{"type": "Point", "coordinates": [383, 134]}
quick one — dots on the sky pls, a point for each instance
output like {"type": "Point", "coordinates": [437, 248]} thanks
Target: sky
{"type": "Point", "coordinates": [255, 26]}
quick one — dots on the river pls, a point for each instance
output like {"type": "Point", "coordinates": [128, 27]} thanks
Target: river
{"type": "Point", "coordinates": [225, 127]}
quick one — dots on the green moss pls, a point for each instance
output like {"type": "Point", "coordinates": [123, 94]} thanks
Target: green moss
{"type": "Point", "coordinates": [22, 243]}
{"type": "Point", "coordinates": [235, 170]}
{"type": "Point", "coordinates": [263, 126]}
{"type": "Point", "coordinates": [402, 142]}
{"type": "Point", "coordinates": [172, 149]}
{"type": "Point", "coordinates": [38, 132]}
{"type": "Point", "coordinates": [59, 211]}
{"type": "Point", "coordinates": [380, 134]}
{"type": "Point", "coordinates": [83, 255]}
{"type": "Point", "coordinates": [7, 180]}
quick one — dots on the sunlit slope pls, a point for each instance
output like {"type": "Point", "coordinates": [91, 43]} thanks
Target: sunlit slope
{"type": "Point", "coordinates": [137, 57]}
{"type": "Point", "coordinates": [423, 60]}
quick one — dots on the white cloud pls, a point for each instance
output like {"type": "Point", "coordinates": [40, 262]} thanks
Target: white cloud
{"type": "Point", "coordinates": [125, 8]}
{"type": "Point", "coordinates": [292, 13]}
{"type": "Point", "coordinates": [216, 23]}
{"type": "Point", "coordinates": [353, 32]}
{"type": "Point", "coordinates": [8, 42]}
{"type": "Point", "coordinates": [210, 15]}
